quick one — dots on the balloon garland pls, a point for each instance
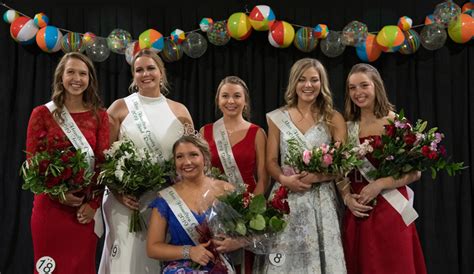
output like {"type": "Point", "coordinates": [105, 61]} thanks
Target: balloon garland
{"type": "Point", "coordinates": [401, 38]}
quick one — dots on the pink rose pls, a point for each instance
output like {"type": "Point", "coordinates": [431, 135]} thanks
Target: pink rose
{"type": "Point", "coordinates": [327, 159]}
{"type": "Point", "coordinates": [307, 156]}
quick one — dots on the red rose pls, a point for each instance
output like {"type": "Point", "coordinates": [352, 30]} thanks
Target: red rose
{"type": "Point", "coordinates": [433, 155]}
{"type": "Point", "coordinates": [42, 134]}
{"type": "Point", "coordinates": [79, 177]}
{"type": "Point", "coordinates": [67, 156]}
{"type": "Point", "coordinates": [281, 205]}
{"type": "Point", "coordinates": [376, 142]}
{"type": "Point", "coordinates": [43, 165]}
{"type": "Point", "coordinates": [390, 130]}
{"type": "Point", "coordinates": [67, 173]}
{"type": "Point", "coordinates": [409, 139]}
{"type": "Point", "coordinates": [282, 192]}
{"type": "Point", "coordinates": [442, 150]}
{"type": "Point", "coordinates": [52, 181]}
{"type": "Point", "coordinates": [425, 150]}
{"type": "Point", "coordinates": [41, 147]}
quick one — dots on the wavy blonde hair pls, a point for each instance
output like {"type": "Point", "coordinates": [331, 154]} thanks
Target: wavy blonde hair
{"type": "Point", "coordinates": [200, 143]}
{"type": "Point", "coordinates": [164, 84]}
{"type": "Point", "coordinates": [90, 97]}
{"type": "Point", "coordinates": [323, 103]}
{"type": "Point", "coordinates": [234, 80]}
{"type": "Point", "coordinates": [382, 105]}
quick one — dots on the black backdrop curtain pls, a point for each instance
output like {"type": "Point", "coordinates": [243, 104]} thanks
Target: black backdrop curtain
{"type": "Point", "coordinates": [434, 85]}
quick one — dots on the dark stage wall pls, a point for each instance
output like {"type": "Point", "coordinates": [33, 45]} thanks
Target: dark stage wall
{"type": "Point", "coordinates": [434, 85]}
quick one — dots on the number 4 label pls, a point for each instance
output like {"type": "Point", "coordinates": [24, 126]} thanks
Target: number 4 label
{"type": "Point", "coordinates": [45, 265]}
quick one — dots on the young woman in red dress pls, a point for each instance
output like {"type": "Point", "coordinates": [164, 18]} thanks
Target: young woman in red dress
{"type": "Point", "coordinates": [64, 229]}
{"type": "Point", "coordinates": [247, 142]}
{"type": "Point", "coordinates": [376, 238]}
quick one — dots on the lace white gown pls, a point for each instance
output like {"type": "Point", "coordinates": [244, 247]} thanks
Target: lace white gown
{"type": "Point", "coordinates": [125, 252]}
{"type": "Point", "coordinates": [311, 243]}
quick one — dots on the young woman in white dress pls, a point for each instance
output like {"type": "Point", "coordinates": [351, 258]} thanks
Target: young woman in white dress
{"type": "Point", "coordinates": [311, 242]}
{"type": "Point", "coordinates": [124, 251]}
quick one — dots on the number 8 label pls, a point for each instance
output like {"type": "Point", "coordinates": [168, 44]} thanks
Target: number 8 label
{"type": "Point", "coordinates": [45, 265]}
{"type": "Point", "coordinates": [277, 259]}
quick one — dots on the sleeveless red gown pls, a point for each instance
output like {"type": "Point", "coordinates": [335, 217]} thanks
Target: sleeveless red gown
{"type": "Point", "coordinates": [245, 157]}
{"type": "Point", "coordinates": [380, 243]}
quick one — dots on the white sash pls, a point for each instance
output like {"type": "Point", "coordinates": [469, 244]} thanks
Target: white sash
{"type": "Point", "coordinates": [187, 219]}
{"type": "Point", "coordinates": [224, 149]}
{"type": "Point", "coordinates": [287, 127]}
{"type": "Point", "coordinates": [403, 206]}
{"type": "Point", "coordinates": [79, 141]}
{"type": "Point", "coordinates": [143, 124]}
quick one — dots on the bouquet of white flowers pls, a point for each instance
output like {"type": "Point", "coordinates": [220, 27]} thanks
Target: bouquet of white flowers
{"type": "Point", "coordinates": [134, 171]}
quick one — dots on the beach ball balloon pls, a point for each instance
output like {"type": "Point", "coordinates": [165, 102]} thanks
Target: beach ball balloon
{"type": "Point", "coordinates": [178, 36]}
{"type": "Point", "coordinates": [98, 49]}
{"type": "Point", "coordinates": [72, 41]}
{"type": "Point", "coordinates": [321, 31]}
{"type": "Point", "coordinates": [467, 6]}
{"type": "Point", "coordinates": [369, 50]}
{"type": "Point", "coordinates": [132, 49]}
{"type": "Point", "coordinates": [217, 34]}
{"type": "Point", "coordinates": [41, 20]}
{"type": "Point", "coordinates": [390, 38]}
{"type": "Point", "coordinates": [446, 12]}
{"type": "Point", "coordinates": [151, 39]}
{"type": "Point", "coordinates": [238, 26]}
{"type": "Point", "coordinates": [118, 40]}
{"type": "Point", "coordinates": [205, 24]}
{"type": "Point", "coordinates": [305, 39]}
{"type": "Point", "coordinates": [461, 30]}
{"type": "Point", "coordinates": [412, 42]}
{"type": "Point", "coordinates": [262, 17]}
{"type": "Point", "coordinates": [10, 15]}
{"type": "Point", "coordinates": [281, 34]}
{"type": "Point", "coordinates": [433, 36]}
{"type": "Point", "coordinates": [49, 39]}
{"type": "Point", "coordinates": [87, 38]}
{"type": "Point", "coordinates": [429, 19]}
{"type": "Point", "coordinates": [405, 23]}
{"type": "Point", "coordinates": [23, 30]}
{"type": "Point", "coordinates": [195, 45]}
{"type": "Point", "coordinates": [171, 52]}
{"type": "Point", "coordinates": [332, 46]}
{"type": "Point", "coordinates": [354, 33]}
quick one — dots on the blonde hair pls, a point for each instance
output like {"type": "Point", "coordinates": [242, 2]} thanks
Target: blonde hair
{"type": "Point", "coordinates": [164, 85]}
{"type": "Point", "coordinates": [234, 80]}
{"type": "Point", "coordinates": [382, 105]}
{"type": "Point", "coordinates": [200, 143]}
{"type": "Point", "coordinates": [90, 97]}
{"type": "Point", "coordinates": [324, 101]}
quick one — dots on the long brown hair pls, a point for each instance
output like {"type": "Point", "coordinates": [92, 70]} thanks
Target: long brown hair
{"type": "Point", "coordinates": [323, 102]}
{"type": "Point", "coordinates": [164, 85]}
{"type": "Point", "coordinates": [234, 80]}
{"type": "Point", "coordinates": [382, 105]}
{"type": "Point", "coordinates": [90, 97]}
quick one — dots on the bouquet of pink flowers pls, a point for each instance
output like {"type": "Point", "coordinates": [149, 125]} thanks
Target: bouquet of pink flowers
{"type": "Point", "coordinates": [55, 169]}
{"type": "Point", "coordinates": [336, 159]}
{"type": "Point", "coordinates": [404, 148]}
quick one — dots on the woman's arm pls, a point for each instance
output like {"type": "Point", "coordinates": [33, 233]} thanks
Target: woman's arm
{"type": "Point", "coordinates": [117, 112]}
{"type": "Point", "coordinates": [262, 175]}
{"type": "Point", "coordinates": [293, 182]}
{"type": "Point", "coordinates": [157, 248]}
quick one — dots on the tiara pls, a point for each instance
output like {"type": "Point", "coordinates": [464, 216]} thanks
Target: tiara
{"type": "Point", "coordinates": [188, 130]}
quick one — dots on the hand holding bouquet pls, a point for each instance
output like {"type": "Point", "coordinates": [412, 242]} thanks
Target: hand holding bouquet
{"type": "Point", "coordinates": [55, 169]}
{"type": "Point", "coordinates": [133, 171]}
{"type": "Point", "coordinates": [404, 148]}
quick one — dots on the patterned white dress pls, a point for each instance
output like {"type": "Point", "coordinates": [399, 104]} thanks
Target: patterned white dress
{"type": "Point", "coordinates": [311, 243]}
{"type": "Point", "coordinates": [125, 252]}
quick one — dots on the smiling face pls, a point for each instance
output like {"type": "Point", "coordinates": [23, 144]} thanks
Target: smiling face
{"type": "Point", "coordinates": [189, 160]}
{"type": "Point", "coordinates": [75, 77]}
{"type": "Point", "coordinates": [361, 90]}
{"type": "Point", "coordinates": [308, 85]}
{"type": "Point", "coordinates": [146, 74]}
{"type": "Point", "coordinates": [231, 99]}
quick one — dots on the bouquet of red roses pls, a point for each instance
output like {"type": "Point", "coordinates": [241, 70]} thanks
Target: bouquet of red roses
{"type": "Point", "coordinates": [404, 148]}
{"type": "Point", "coordinates": [55, 169]}
{"type": "Point", "coordinates": [336, 159]}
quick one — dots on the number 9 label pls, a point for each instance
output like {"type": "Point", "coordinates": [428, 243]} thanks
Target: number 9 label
{"type": "Point", "coordinates": [45, 265]}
